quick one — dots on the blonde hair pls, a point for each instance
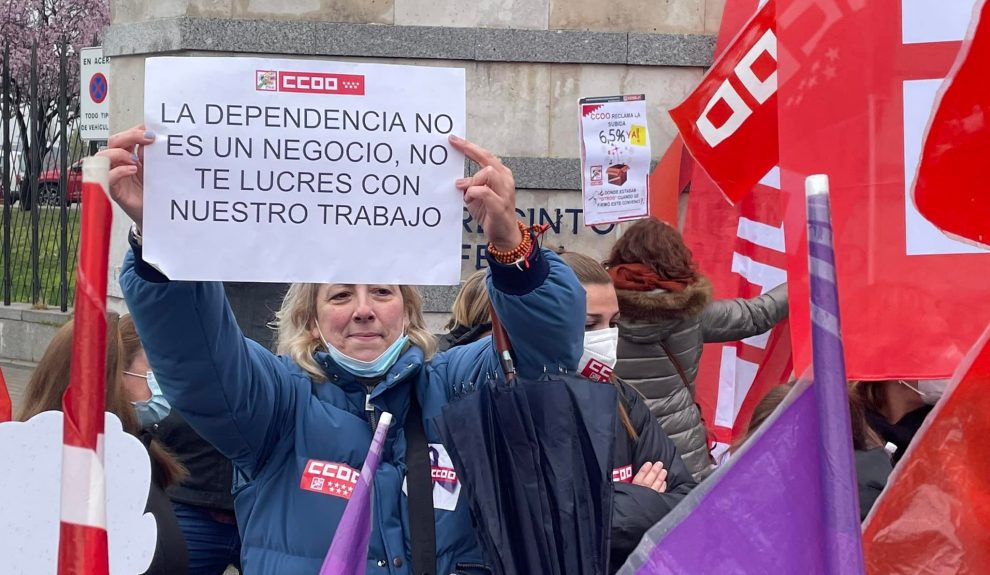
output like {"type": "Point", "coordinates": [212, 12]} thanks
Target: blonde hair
{"type": "Point", "coordinates": [471, 307]}
{"type": "Point", "coordinates": [587, 270]}
{"type": "Point", "coordinates": [295, 318]}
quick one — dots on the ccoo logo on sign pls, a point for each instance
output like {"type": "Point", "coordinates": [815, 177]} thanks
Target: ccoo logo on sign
{"type": "Point", "coordinates": [309, 82]}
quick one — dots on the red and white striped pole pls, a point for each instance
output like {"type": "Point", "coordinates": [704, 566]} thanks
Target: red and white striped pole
{"type": "Point", "coordinates": [83, 548]}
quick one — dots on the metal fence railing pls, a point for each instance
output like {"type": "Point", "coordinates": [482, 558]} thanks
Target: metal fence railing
{"type": "Point", "coordinates": [42, 186]}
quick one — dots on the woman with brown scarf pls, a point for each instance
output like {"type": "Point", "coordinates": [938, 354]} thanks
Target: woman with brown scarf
{"type": "Point", "coordinates": [667, 314]}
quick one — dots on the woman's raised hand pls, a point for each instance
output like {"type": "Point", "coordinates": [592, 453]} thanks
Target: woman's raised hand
{"type": "Point", "coordinates": [126, 153]}
{"type": "Point", "coordinates": [490, 196]}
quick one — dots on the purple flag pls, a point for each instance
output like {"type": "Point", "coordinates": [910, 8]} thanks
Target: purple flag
{"type": "Point", "coordinates": [787, 501]}
{"type": "Point", "coordinates": [348, 554]}
{"type": "Point", "coordinates": [844, 542]}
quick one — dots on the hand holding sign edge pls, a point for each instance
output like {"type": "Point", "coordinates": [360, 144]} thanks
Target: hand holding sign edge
{"type": "Point", "coordinates": [127, 169]}
{"type": "Point", "coordinates": [490, 195]}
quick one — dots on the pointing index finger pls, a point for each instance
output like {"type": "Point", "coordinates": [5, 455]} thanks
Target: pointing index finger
{"type": "Point", "coordinates": [475, 152]}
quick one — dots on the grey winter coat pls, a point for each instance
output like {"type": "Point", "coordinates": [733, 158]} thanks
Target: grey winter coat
{"type": "Point", "coordinates": [684, 321]}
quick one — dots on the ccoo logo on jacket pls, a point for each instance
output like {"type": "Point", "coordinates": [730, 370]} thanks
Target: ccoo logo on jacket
{"type": "Point", "coordinates": [446, 487]}
{"type": "Point", "coordinates": [337, 479]}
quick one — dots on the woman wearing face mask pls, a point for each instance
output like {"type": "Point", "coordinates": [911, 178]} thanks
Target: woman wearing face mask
{"type": "Point", "coordinates": [649, 476]}
{"type": "Point", "coordinates": [44, 393]}
{"type": "Point", "coordinates": [896, 408]}
{"type": "Point", "coordinates": [668, 314]}
{"type": "Point", "coordinates": [298, 425]}
{"type": "Point", "coordinates": [203, 502]}
{"type": "Point", "coordinates": [143, 390]}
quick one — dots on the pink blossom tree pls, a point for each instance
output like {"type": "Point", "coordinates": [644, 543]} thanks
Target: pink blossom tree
{"type": "Point", "coordinates": [52, 24]}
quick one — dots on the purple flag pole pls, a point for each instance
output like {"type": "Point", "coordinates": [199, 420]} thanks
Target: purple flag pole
{"type": "Point", "coordinates": [348, 554]}
{"type": "Point", "coordinates": [787, 501]}
{"type": "Point", "coordinates": [839, 474]}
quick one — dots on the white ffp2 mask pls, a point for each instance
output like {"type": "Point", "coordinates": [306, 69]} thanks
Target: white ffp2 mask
{"type": "Point", "coordinates": [930, 390]}
{"type": "Point", "coordinates": [599, 356]}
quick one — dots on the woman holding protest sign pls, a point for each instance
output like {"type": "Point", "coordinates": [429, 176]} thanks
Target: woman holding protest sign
{"type": "Point", "coordinates": [298, 425]}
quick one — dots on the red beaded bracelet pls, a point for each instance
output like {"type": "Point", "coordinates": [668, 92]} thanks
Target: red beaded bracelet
{"type": "Point", "coordinates": [520, 251]}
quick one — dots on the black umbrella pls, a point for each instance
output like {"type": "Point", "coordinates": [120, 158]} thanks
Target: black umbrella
{"type": "Point", "coordinates": [535, 461]}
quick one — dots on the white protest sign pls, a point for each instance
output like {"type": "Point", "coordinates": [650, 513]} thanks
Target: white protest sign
{"type": "Point", "coordinates": [94, 94]}
{"type": "Point", "coordinates": [615, 158]}
{"type": "Point", "coordinates": [303, 171]}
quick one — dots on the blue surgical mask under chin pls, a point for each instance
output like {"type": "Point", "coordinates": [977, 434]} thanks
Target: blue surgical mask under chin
{"type": "Point", "coordinates": [155, 409]}
{"type": "Point", "coordinates": [367, 369]}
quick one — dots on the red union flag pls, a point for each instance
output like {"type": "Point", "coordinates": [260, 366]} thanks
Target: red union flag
{"type": "Point", "coordinates": [729, 122]}
{"type": "Point", "coordinates": [951, 189]}
{"type": "Point", "coordinates": [932, 517]}
{"type": "Point", "coordinates": [858, 81]}
{"type": "Point", "coordinates": [668, 180]}
{"type": "Point", "coordinates": [741, 250]}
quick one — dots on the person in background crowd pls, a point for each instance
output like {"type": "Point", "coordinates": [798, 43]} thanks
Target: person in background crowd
{"type": "Point", "coordinates": [763, 410]}
{"type": "Point", "coordinates": [667, 315]}
{"type": "Point", "coordinates": [291, 423]}
{"type": "Point", "coordinates": [470, 319]}
{"type": "Point", "coordinates": [896, 408]}
{"type": "Point", "coordinates": [649, 477]}
{"type": "Point", "coordinates": [873, 465]}
{"type": "Point", "coordinates": [44, 393]}
{"type": "Point", "coordinates": [203, 502]}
